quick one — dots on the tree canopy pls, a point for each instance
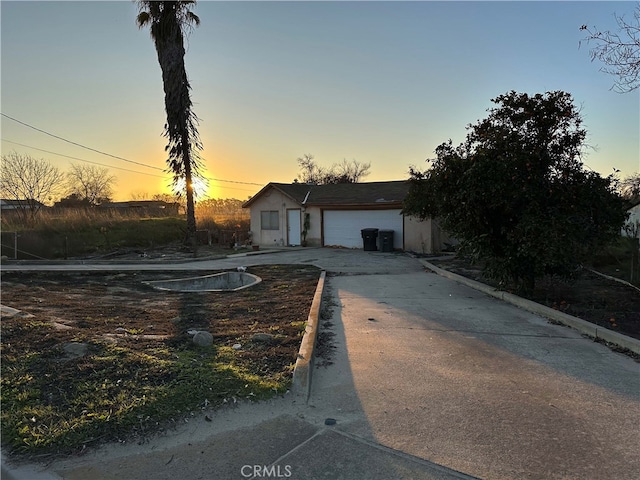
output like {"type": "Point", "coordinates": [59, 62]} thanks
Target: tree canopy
{"type": "Point", "coordinates": [89, 185]}
{"type": "Point", "coordinates": [619, 51]}
{"type": "Point", "coordinates": [29, 180]}
{"type": "Point", "coordinates": [345, 172]}
{"type": "Point", "coordinates": [516, 193]}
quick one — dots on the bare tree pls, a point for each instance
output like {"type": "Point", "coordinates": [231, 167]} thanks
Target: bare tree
{"type": "Point", "coordinates": [345, 172]}
{"type": "Point", "coordinates": [90, 183]}
{"type": "Point", "coordinates": [29, 181]}
{"type": "Point", "coordinates": [139, 195]}
{"type": "Point", "coordinates": [630, 187]}
{"type": "Point", "coordinates": [619, 51]}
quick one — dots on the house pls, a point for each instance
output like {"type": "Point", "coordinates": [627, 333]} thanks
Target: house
{"type": "Point", "coordinates": [6, 204]}
{"type": "Point", "coordinates": [336, 214]}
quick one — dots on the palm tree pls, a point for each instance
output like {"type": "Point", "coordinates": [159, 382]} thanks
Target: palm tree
{"type": "Point", "coordinates": [168, 22]}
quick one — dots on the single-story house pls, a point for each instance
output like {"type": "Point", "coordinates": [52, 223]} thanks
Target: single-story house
{"type": "Point", "coordinates": [335, 215]}
{"type": "Point", "coordinates": [6, 204]}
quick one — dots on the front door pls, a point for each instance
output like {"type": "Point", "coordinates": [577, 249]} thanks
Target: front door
{"type": "Point", "coordinates": [293, 227]}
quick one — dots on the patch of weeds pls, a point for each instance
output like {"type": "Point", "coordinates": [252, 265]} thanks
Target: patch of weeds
{"type": "Point", "coordinates": [61, 406]}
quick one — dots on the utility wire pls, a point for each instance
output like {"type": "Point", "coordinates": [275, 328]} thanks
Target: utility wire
{"type": "Point", "coordinates": [83, 160]}
{"type": "Point", "coordinates": [107, 154]}
{"type": "Point", "coordinates": [79, 145]}
{"type": "Point", "coordinates": [120, 168]}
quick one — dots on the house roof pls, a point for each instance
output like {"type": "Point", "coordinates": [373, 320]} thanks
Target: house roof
{"type": "Point", "coordinates": [16, 203]}
{"type": "Point", "coordinates": [340, 194]}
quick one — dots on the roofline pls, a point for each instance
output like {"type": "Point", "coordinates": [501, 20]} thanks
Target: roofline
{"type": "Point", "coordinates": [275, 185]}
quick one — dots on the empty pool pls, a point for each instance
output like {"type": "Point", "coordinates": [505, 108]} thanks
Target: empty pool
{"type": "Point", "coordinates": [218, 282]}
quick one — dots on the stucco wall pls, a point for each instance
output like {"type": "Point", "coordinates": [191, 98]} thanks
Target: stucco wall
{"type": "Point", "coordinates": [634, 221]}
{"type": "Point", "coordinates": [271, 200]}
{"type": "Point", "coordinates": [425, 236]}
{"type": "Point", "coordinates": [314, 236]}
{"type": "Point", "coordinates": [417, 235]}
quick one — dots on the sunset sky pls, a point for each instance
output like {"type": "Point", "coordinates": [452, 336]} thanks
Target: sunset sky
{"type": "Point", "coordinates": [378, 82]}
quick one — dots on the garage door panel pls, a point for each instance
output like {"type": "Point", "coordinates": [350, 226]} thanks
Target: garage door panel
{"type": "Point", "coordinates": [343, 227]}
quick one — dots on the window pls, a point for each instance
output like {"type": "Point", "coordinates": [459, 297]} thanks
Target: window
{"type": "Point", "coordinates": [269, 220]}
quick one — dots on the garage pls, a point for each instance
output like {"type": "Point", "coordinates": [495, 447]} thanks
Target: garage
{"type": "Point", "coordinates": [343, 227]}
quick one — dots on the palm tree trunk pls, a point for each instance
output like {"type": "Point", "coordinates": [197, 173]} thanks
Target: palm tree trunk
{"type": "Point", "coordinates": [179, 126]}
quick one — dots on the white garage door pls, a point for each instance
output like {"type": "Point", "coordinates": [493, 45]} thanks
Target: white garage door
{"type": "Point", "coordinates": [343, 227]}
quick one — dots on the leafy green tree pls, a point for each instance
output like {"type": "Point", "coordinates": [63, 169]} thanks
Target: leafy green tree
{"type": "Point", "coordinates": [168, 22]}
{"type": "Point", "coordinates": [516, 194]}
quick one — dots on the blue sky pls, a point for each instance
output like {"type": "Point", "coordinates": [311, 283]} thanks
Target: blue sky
{"type": "Point", "coordinates": [378, 82]}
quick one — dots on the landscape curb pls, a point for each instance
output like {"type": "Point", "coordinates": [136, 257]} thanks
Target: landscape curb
{"type": "Point", "coordinates": [150, 261]}
{"type": "Point", "coordinates": [584, 327]}
{"type": "Point", "coordinates": [301, 385]}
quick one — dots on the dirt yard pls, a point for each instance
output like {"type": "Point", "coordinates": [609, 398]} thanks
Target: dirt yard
{"type": "Point", "coordinates": [122, 308]}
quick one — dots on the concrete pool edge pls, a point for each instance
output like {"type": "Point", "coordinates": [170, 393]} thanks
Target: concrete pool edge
{"type": "Point", "coordinates": [175, 284]}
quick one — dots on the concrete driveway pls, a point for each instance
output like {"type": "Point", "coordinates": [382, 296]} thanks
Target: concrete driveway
{"type": "Point", "coordinates": [430, 379]}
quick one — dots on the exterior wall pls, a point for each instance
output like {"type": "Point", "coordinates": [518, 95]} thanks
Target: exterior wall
{"type": "Point", "coordinates": [633, 221]}
{"type": "Point", "coordinates": [417, 235]}
{"type": "Point", "coordinates": [425, 236]}
{"type": "Point", "coordinates": [272, 200]}
{"type": "Point", "coordinates": [314, 235]}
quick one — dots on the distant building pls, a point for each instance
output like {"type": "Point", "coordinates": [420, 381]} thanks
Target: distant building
{"type": "Point", "coordinates": [6, 204]}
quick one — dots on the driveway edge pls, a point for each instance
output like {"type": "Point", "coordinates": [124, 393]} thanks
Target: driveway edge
{"type": "Point", "coordinates": [301, 385]}
{"type": "Point", "coordinates": [584, 327]}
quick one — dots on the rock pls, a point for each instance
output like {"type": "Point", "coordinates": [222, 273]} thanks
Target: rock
{"type": "Point", "coordinates": [8, 312]}
{"type": "Point", "coordinates": [75, 349]}
{"type": "Point", "coordinates": [263, 338]}
{"type": "Point", "coordinates": [203, 339]}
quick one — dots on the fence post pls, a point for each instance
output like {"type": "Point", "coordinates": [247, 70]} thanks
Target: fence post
{"type": "Point", "coordinates": [15, 245]}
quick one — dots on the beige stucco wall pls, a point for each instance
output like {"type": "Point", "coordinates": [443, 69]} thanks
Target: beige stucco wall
{"type": "Point", "coordinates": [424, 236]}
{"type": "Point", "coordinates": [314, 236]}
{"type": "Point", "coordinates": [271, 200]}
{"type": "Point", "coordinates": [417, 235]}
{"type": "Point", "coordinates": [275, 200]}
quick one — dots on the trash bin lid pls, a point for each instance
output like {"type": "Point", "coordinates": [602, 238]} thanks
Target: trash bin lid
{"type": "Point", "coordinates": [369, 230]}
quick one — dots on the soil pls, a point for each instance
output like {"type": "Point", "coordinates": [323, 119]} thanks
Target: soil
{"type": "Point", "coordinates": [591, 297]}
{"type": "Point", "coordinates": [121, 307]}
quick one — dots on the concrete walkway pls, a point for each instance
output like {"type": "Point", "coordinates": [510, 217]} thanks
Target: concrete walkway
{"type": "Point", "coordinates": [430, 379]}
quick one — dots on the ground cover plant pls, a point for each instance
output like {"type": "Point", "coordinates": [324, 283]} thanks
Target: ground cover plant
{"type": "Point", "coordinates": [106, 357]}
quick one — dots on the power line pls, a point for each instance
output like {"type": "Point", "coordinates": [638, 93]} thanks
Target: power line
{"type": "Point", "coordinates": [125, 169]}
{"type": "Point", "coordinates": [80, 145]}
{"type": "Point", "coordinates": [83, 160]}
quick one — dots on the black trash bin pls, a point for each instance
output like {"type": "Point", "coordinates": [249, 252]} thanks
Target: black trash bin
{"type": "Point", "coordinates": [386, 240]}
{"type": "Point", "coordinates": [369, 237]}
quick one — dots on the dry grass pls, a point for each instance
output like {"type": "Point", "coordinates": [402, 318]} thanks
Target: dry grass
{"type": "Point", "coordinates": [61, 233]}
